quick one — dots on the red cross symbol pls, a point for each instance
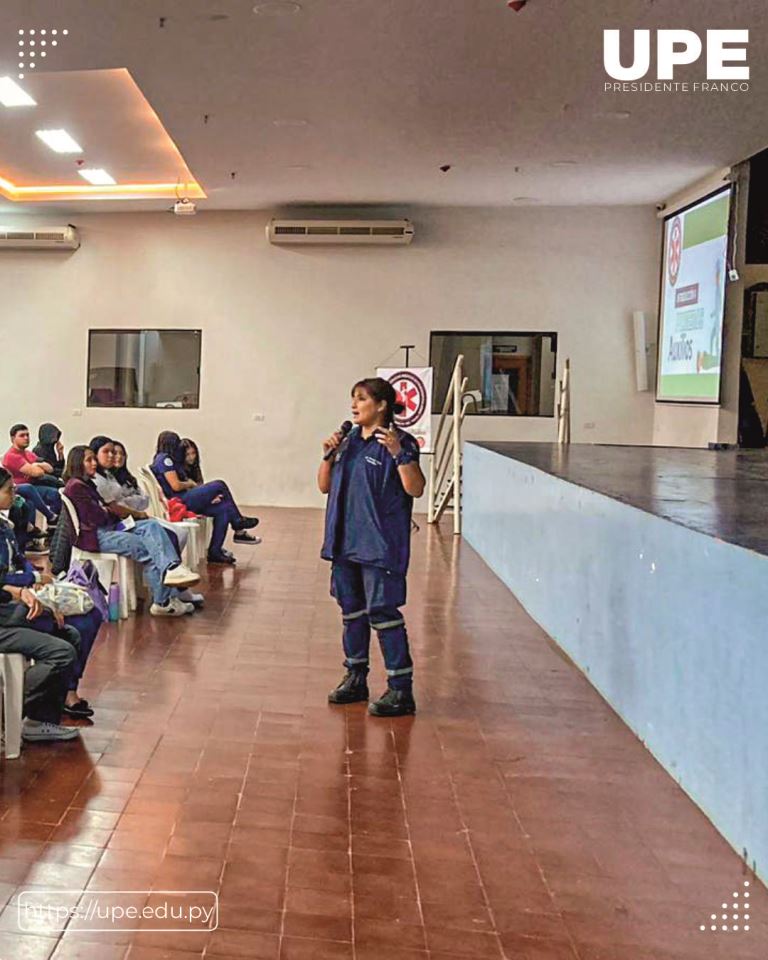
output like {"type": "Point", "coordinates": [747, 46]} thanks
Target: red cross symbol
{"type": "Point", "coordinates": [408, 395]}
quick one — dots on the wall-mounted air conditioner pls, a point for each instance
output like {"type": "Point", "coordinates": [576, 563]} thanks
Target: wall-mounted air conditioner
{"type": "Point", "coordinates": [39, 238]}
{"type": "Point", "coordinates": [388, 232]}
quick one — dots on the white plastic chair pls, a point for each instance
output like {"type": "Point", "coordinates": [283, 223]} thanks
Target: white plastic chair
{"type": "Point", "coordinates": [12, 667]}
{"type": "Point", "coordinates": [158, 507]}
{"type": "Point", "coordinates": [107, 565]}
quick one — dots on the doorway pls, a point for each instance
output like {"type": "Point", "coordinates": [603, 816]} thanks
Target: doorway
{"type": "Point", "coordinates": [753, 384]}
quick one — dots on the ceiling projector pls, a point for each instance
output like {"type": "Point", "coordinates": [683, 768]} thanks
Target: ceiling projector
{"type": "Point", "coordinates": [184, 208]}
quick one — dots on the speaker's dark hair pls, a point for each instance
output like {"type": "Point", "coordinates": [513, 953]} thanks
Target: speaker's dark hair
{"type": "Point", "coordinates": [381, 390]}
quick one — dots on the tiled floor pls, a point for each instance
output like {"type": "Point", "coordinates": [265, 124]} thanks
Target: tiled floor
{"type": "Point", "coordinates": [515, 816]}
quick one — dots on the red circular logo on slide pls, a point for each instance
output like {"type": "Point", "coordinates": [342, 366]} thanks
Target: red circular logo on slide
{"type": "Point", "coordinates": [675, 251]}
{"type": "Point", "coordinates": [411, 393]}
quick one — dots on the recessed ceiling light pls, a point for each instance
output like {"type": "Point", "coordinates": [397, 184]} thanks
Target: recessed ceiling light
{"type": "Point", "coordinates": [11, 94]}
{"type": "Point", "coordinates": [289, 122]}
{"type": "Point", "coordinates": [99, 178]}
{"type": "Point", "coordinates": [526, 200]}
{"type": "Point", "coordinates": [564, 163]}
{"type": "Point", "coordinates": [59, 140]}
{"type": "Point", "coordinates": [277, 8]}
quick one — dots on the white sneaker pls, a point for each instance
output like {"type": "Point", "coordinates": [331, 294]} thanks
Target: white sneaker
{"type": "Point", "coordinates": [166, 610]}
{"type": "Point", "coordinates": [41, 730]}
{"type": "Point", "coordinates": [180, 576]}
{"type": "Point", "coordinates": [181, 605]}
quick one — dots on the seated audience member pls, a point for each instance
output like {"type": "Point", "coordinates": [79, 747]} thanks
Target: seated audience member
{"type": "Point", "coordinates": [116, 485]}
{"type": "Point", "coordinates": [47, 679]}
{"type": "Point", "coordinates": [101, 529]}
{"type": "Point", "coordinates": [192, 466]}
{"type": "Point", "coordinates": [123, 475]}
{"type": "Point", "coordinates": [28, 472]}
{"type": "Point", "coordinates": [211, 499]}
{"type": "Point", "coordinates": [111, 489]}
{"type": "Point", "coordinates": [18, 574]}
{"type": "Point", "coordinates": [49, 447]}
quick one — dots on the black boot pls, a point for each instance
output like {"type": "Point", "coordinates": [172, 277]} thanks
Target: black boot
{"type": "Point", "coordinates": [394, 703]}
{"type": "Point", "coordinates": [352, 689]}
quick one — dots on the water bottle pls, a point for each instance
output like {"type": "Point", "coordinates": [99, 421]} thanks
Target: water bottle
{"type": "Point", "coordinates": [114, 603]}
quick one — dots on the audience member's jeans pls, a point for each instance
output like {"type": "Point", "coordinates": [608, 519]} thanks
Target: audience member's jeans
{"type": "Point", "coordinates": [199, 500]}
{"type": "Point", "coordinates": [45, 499]}
{"type": "Point", "coordinates": [178, 533]}
{"type": "Point", "coordinates": [147, 543]}
{"type": "Point", "coordinates": [46, 681]}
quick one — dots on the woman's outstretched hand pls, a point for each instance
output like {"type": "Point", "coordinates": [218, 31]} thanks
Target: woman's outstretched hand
{"type": "Point", "coordinates": [390, 440]}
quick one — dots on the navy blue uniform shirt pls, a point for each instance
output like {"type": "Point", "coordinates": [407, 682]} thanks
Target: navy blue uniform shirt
{"type": "Point", "coordinates": [162, 464]}
{"type": "Point", "coordinates": [368, 515]}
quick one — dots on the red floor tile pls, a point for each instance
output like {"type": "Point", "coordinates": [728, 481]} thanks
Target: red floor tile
{"type": "Point", "coordinates": [513, 817]}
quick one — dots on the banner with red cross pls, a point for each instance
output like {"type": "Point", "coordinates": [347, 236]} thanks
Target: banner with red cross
{"type": "Point", "coordinates": [413, 386]}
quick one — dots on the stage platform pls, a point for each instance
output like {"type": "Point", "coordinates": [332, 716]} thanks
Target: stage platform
{"type": "Point", "coordinates": [722, 493]}
{"type": "Point", "coordinates": [649, 567]}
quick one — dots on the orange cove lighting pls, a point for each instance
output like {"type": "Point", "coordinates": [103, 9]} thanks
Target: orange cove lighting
{"type": "Point", "coordinates": [120, 191]}
{"type": "Point", "coordinates": [90, 100]}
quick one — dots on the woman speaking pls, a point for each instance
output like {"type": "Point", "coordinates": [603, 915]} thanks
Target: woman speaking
{"type": "Point", "coordinates": [371, 476]}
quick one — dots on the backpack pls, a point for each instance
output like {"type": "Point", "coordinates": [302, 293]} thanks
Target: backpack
{"type": "Point", "coordinates": [84, 576]}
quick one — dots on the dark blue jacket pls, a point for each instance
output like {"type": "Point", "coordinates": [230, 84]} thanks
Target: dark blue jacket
{"type": "Point", "coordinates": [15, 569]}
{"type": "Point", "coordinates": [368, 514]}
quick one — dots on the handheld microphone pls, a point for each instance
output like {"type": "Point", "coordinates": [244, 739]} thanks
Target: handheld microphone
{"type": "Point", "coordinates": [343, 430]}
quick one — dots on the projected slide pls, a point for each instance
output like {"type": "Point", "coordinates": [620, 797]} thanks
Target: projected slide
{"type": "Point", "coordinates": [693, 301]}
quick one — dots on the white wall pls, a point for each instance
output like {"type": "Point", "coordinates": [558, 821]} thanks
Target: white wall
{"type": "Point", "coordinates": [286, 331]}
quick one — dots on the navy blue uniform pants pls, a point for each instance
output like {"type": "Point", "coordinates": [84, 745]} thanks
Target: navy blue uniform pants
{"type": "Point", "coordinates": [371, 597]}
{"type": "Point", "coordinates": [80, 630]}
{"type": "Point", "coordinates": [199, 500]}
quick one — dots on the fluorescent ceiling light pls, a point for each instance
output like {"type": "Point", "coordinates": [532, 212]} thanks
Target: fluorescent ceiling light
{"type": "Point", "coordinates": [99, 178]}
{"type": "Point", "coordinates": [11, 94]}
{"type": "Point", "coordinates": [277, 8]}
{"type": "Point", "coordinates": [59, 140]}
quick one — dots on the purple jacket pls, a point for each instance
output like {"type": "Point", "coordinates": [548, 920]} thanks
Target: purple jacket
{"type": "Point", "coordinates": [91, 513]}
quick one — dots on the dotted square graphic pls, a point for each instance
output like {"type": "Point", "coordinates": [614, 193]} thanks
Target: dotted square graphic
{"type": "Point", "coordinates": [743, 916]}
{"type": "Point", "coordinates": [34, 46]}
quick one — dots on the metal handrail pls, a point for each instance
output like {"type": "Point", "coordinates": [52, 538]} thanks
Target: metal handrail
{"type": "Point", "coordinates": [441, 483]}
{"type": "Point", "coordinates": [440, 463]}
{"type": "Point", "coordinates": [448, 400]}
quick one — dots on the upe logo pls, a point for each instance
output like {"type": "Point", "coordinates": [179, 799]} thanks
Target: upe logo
{"type": "Point", "coordinates": [678, 48]}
